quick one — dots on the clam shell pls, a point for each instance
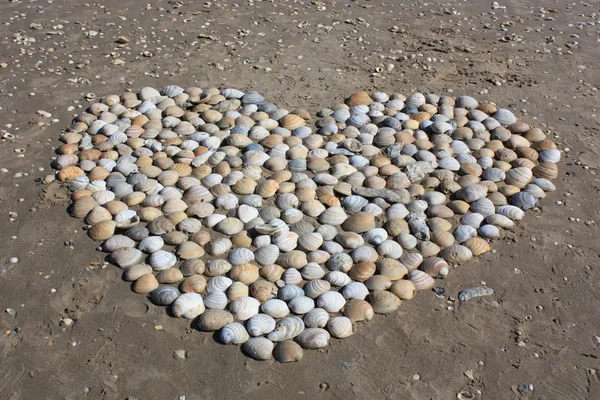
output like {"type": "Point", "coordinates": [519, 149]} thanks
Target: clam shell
{"type": "Point", "coordinates": [355, 290]}
{"type": "Point", "coordinates": [288, 351]}
{"type": "Point", "coordinates": [260, 324]}
{"type": "Point", "coordinates": [146, 283]}
{"type": "Point", "coordinates": [259, 348]}
{"type": "Point", "coordinates": [301, 304]}
{"type": "Point", "coordinates": [340, 327]}
{"type": "Point", "coordinates": [275, 308]}
{"type": "Point", "coordinates": [126, 256]}
{"type": "Point", "coordinates": [384, 302]}
{"type": "Point", "coordinates": [314, 338]}
{"type": "Point", "coordinates": [233, 333]}
{"type": "Point", "coordinates": [316, 318]}
{"type": "Point", "coordinates": [164, 295]}
{"type": "Point", "coordinates": [216, 299]}
{"type": "Point", "coordinates": [421, 280]}
{"type": "Point", "coordinates": [188, 305]}
{"type": "Point", "coordinates": [286, 329]}
{"type": "Point", "coordinates": [244, 308]}
{"type": "Point", "coordinates": [403, 289]}
{"type": "Point", "coordinates": [214, 319]}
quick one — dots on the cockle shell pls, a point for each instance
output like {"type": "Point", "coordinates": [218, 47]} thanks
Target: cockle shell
{"type": "Point", "coordinates": [188, 305]}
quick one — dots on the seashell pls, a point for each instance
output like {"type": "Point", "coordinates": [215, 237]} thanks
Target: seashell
{"type": "Point", "coordinates": [218, 247]}
{"type": "Point", "coordinates": [117, 242]}
{"type": "Point", "coordinates": [403, 289]}
{"type": "Point", "coordinates": [301, 304]}
{"type": "Point", "coordinates": [259, 348]}
{"type": "Point", "coordinates": [260, 324]}
{"type": "Point", "coordinates": [145, 284]}
{"type": "Point", "coordinates": [355, 290]}
{"type": "Point", "coordinates": [214, 319]}
{"type": "Point", "coordinates": [188, 305]}
{"type": "Point", "coordinates": [523, 200]}
{"type": "Point", "coordinates": [126, 256]}
{"type": "Point", "coordinates": [233, 333]}
{"type": "Point", "coordinates": [293, 259]}
{"type": "Point", "coordinates": [83, 206]}
{"type": "Point", "coordinates": [216, 299]}
{"type": "Point", "coordinates": [362, 271]}
{"type": "Point", "coordinates": [316, 318]}
{"type": "Point", "coordinates": [314, 338]}
{"type": "Point", "coordinates": [331, 301]}
{"type": "Point", "coordinates": [163, 295]}
{"type": "Point", "coordinates": [376, 236]}
{"type": "Point", "coordinates": [315, 288]}
{"type": "Point", "coordinates": [289, 292]}
{"type": "Point", "coordinates": [333, 216]}
{"type": "Point", "coordinates": [193, 283]}
{"type": "Point", "coordinates": [340, 327]}
{"type": "Point", "coordinates": [286, 329]}
{"type": "Point", "coordinates": [338, 278]}
{"type": "Point", "coordinates": [471, 193]}
{"type": "Point", "coordinates": [291, 277]}
{"type": "Point", "coordinates": [350, 240]}
{"type": "Point", "coordinates": [436, 267]}
{"type": "Point", "coordinates": [244, 308]}
{"type": "Point", "coordinates": [161, 260]}
{"type": "Point", "coordinates": [421, 280]}
{"type": "Point", "coordinates": [287, 351]}
{"type": "Point", "coordinates": [263, 290]}
{"type": "Point", "coordinates": [390, 248]}
{"type": "Point", "coordinates": [472, 219]}
{"type": "Point", "coordinates": [136, 271]}
{"type": "Point", "coordinates": [275, 308]}
{"type": "Point", "coordinates": [489, 231]}
{"type": "Point", "coordinates": [384, 302]}
{"type": "Point", "coordinates": [456, 254]}
{"type": "Point", "coordinates": [340, 262]}
{"type": "Point", "coordinates": [478, 246]}
{"type": "Point", "coordinates": [240, 256]}
{"type": "Point", "coordinates": [102, 230]}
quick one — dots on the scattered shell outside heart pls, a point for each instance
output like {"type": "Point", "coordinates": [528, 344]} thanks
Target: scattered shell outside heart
{"type": "Point", "coordinates": [238, 215]}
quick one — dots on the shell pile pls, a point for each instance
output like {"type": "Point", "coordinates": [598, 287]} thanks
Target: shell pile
{"type": "Point", "coordinates": [240, 216]}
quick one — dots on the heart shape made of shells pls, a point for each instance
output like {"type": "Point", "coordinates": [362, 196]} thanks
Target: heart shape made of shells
{"type": "Point", "coordinates": [239, 216]}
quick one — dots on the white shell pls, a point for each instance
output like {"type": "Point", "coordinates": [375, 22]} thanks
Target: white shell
{"type": "Point", "coordinates": [314, 338]}
{"type": "Point", "coordinates": [244, 307]}
{"type": "Point", "coordinates": [161, 260]}
{"type": "Point", "coordinates": [316, 318]}
{"type": "Point", "coordinates": [355, 290]}
{"type": "Point", "coordinates": [216, 299]}
{"type": "Point", "coordinates": [260, 324]}
{"type": "Point", "coordinates": [331, 301]}
{"type": "Point", "coordinates": [275, 308]}
{"type": "Point", "coordinates": [286, 329]}
{"type": "Point", "coordinates": [234, 333]}
{"type": "Point", "coordinates": [301, 304]}
{"type": "Point", "coordinates": [188, 305]}
{"type": "Point", "coordinates": [338, 278]}
{"type": "Point", "coordinates": [259, 348]}
{"type": "Point", "coordinates": [340, 327]}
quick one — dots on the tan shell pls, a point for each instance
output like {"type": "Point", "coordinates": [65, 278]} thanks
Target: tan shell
{"type": "Point", "coordinates": [384, 302]}
{"type": "Point", "coordinates": [359, 98]}
{"type": "Point", "coordinates": [404, 289]}
{"type": "Point", "coordinates": [358, 310]}
{"type": "Point", "coordinates": [193, 284]}
{"type": "Point", "coordinates": [478, 246]}
{"type": "Point", "coordinates": [82, 206]}
{"type": "Point", "coordinates": [145, 284]}
{"type": "Point", "coordinates": [102, 230]}
{"type": "Point", "coordinates": [359, 222]}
